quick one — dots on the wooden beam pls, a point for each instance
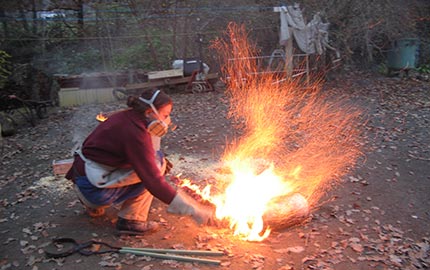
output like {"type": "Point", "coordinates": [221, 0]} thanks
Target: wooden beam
{"type": "Point", "coordinates": [163, 74]}
{"type": "Point", "coordinates": [166, 82]}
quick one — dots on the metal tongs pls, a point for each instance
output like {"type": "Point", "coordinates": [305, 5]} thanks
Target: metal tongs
{"type": "Point", "coordinates": [69, 246]}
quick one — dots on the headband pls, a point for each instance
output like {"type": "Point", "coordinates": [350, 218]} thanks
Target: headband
{"type": "Point", "coordinates": [150, 102]}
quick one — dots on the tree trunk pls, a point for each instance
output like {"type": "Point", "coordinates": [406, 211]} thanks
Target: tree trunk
{"type": "Point", "coordinates": [175, 22]}
{"type": "Point", "coordinates": [185, 40]}
{"type": "Point", "coordinates": [369, 48]}
{"type": "Point", "coordinates": [22, 16]}
{"type": "Point", "coordinates": [289, 56]}
{"type": "Point", "coordinates": [153, 51]}
{"type": "Point", "coordinates": [4, 24]}
{"type": "Point", "coordinates": [34, 11]}
{"type": "Point", "coordinates": [80, 18]}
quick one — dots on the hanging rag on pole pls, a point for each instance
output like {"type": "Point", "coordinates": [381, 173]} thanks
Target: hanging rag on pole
{"type": "Point", "coordinates": [311, 38]}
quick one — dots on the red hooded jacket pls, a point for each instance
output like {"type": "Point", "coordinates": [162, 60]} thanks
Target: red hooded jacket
{"type": "Point", "coordinates": [122, 141]}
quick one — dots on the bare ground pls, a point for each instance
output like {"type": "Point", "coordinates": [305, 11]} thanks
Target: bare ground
{"type": "Point", "coordinates": [377, 218]}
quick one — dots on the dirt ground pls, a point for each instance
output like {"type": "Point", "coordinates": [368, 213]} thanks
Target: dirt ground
{"type": "Point", "coordinates": [377, 218]}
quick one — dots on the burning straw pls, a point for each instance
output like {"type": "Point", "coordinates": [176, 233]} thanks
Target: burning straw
{"type": "Point", "coordinates": [294, 143]}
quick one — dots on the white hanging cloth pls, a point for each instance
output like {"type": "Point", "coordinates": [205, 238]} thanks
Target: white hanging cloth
{"type": "Point", "coordinates": [311, 38]}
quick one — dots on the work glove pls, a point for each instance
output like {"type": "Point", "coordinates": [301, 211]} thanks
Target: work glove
{"type": "Point", "coordinates": [183, 204]}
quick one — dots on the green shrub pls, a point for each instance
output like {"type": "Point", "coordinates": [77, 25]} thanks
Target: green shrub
{"type": "Point", "coordinates": [139, 56]}
{"type": "Point", "coordinates": [383, 69]}
{"type": "Point", "coordinates": [424, 69]}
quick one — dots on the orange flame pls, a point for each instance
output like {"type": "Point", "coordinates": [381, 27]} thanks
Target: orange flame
{"type": "Point", "coordinates": [247, 197]}
{"type": "Point", "coordinates": [101, 117]}
{"type": "Point", "coordinates": [295, 143]}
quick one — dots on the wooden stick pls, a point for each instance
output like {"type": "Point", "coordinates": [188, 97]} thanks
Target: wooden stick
{"type": "Point", "coordinates": [177, 251]}
{"type": "Point", "coordinates": [170, 256]}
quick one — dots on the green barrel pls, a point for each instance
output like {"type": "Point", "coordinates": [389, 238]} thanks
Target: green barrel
{"type": "Point", "coordinates": [404, 54]}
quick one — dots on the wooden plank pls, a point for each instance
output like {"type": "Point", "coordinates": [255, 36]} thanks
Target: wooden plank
{"type": "Point", "coordinates": [163, 74]}
{"type": "Point", "coordinates": [173, 81]}
{"type": "Point", "coordinates": [61, 167]}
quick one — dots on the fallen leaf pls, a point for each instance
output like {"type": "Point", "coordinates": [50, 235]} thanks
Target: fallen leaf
{"type": "Point", "coordinates": [356, 247]}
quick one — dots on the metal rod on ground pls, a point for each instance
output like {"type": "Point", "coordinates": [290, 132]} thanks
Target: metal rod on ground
{"type": "Point", "coordinates": [170, 256]}
{"type": "Point", "coordinates": [177, 251]}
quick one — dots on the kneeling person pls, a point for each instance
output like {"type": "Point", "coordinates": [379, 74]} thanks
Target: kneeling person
{"type": "Point", "coordinates": [120, 163]}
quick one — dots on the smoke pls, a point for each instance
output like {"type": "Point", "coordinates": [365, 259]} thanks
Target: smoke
{"type": "Point", "coordinates": [83, 122]}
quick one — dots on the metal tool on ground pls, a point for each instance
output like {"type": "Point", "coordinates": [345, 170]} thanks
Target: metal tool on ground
{"type": "Point", "coordinates": [67, 246]}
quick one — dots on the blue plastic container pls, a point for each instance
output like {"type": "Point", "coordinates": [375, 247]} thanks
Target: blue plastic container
{"type": "Point", "coordinates": [404, 54]}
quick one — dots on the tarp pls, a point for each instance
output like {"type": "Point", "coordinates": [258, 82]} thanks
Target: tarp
{"type": "Point", "coordinates": [311, 38]}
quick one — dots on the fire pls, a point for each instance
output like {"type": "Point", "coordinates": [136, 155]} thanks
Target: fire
{"type": "Point", "coordinates": [295, 144]}
{"type": "Point", "coordinates": [247, 197]}
{"type": "Point", "coordinates": [101, 117]}
{"type": "Point", "coordinates": [204, 194]}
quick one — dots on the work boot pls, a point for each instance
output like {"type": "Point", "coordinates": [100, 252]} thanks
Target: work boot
{"type": "Point", "coordinates": [135, 227]}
